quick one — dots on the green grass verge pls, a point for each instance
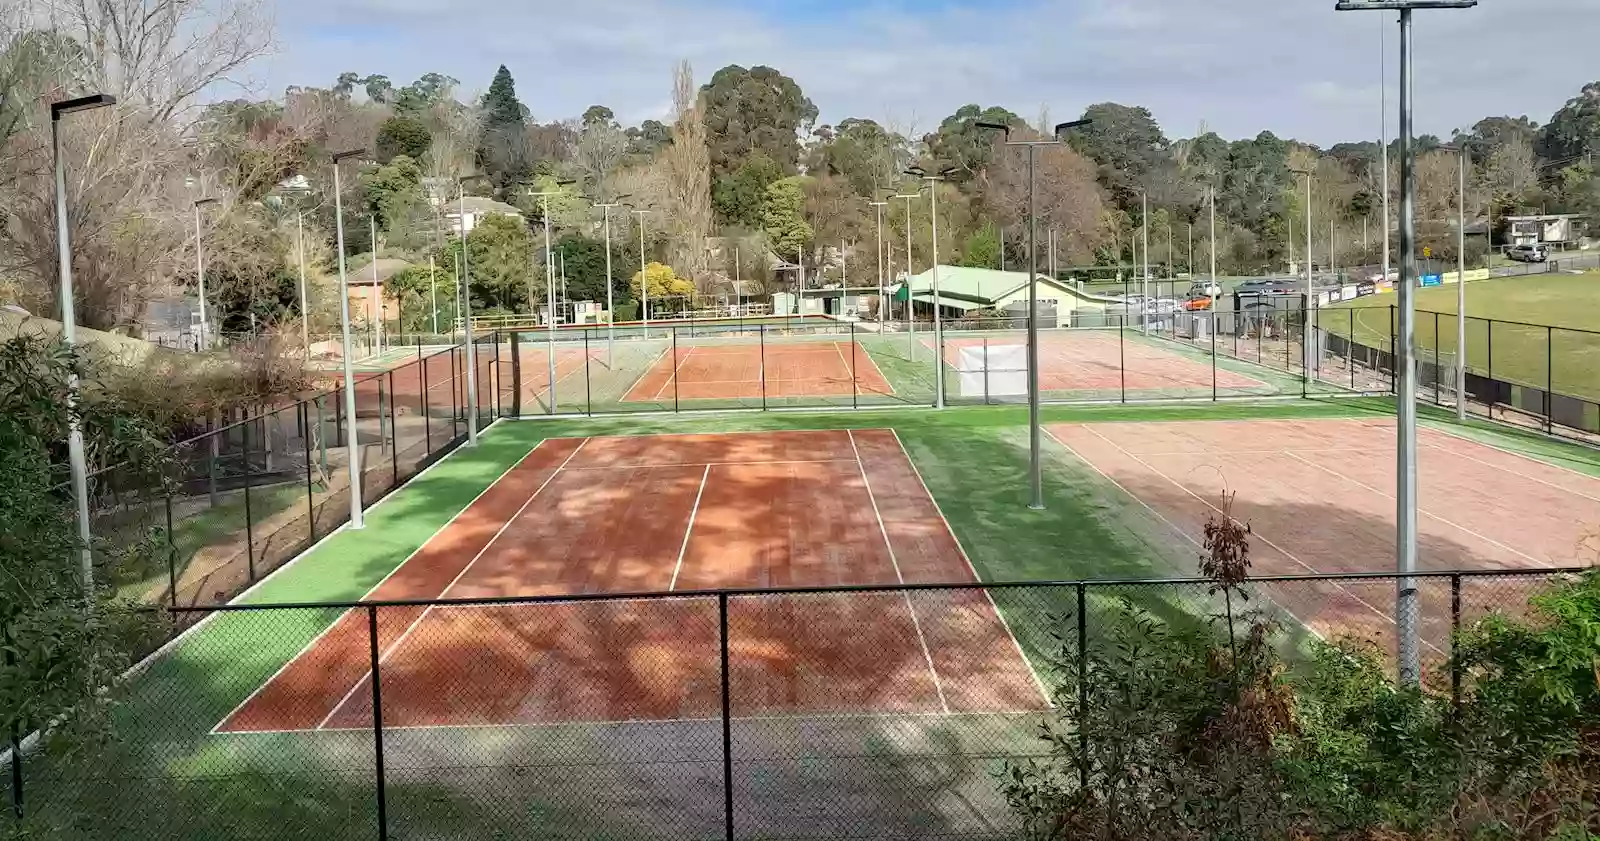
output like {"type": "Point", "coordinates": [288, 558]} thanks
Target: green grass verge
{"type": "Point", "coordinates": [164, 776]}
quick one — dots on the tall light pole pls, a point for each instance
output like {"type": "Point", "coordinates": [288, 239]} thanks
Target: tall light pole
{"type": "Point", "coordinates": [351, 443]}
{"type": "Point", "coordinates": [1406, 617]}
{"type": "Point", "coordinates": [1305, 340]}
{"type": "Point", "coordinates": [1144, 247]}
{"type": "Point", "coordinates": [644, 280]}
{"type": "Point", "coordinates": [77, 458]}
{"type": "Point", "coordinates": [911, 312]}
{"type": "Point", "coordinates": [1383, 140]}
{"type": "Point", "coordinates": [433, 295]}
{"type": "Point", "coordinates": [377, 288]}
{"type": "Point", "coordinates": [550, 286]}
{"type": "Point", "coordinates": [1035, 470]}
{"type": "Point", "coordinates": [1461, 280]}
{"type": "Point", "coordinates": [883, 300]}
{"type": "Point", "coordinates": [1215, 288]}
{"type": "Point", "coordinates": [200, 271]}
{"type": "Point", "coordinates": [611, 310]}
{"type": "Point", "coordinates": [305, 309]}
{"type": "Point", "coordinates": [465, 305]}
{"type": "Point", "coordinates": [932, 181]}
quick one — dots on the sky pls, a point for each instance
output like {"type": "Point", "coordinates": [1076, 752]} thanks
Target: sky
{"type": "Point", "coordinates": [1294, 67]}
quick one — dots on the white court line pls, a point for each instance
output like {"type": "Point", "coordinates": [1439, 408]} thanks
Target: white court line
{"type": "Point", "coordinates": [975, 577]}
{"type": "Point", "coordinates": [429, 609]}
{"type": "Point", "coordinates": [325, 631]}
{"type": "Point", "coordinates": [1360, 450]}
{"type": "Point", "coordinates": [689, 528]}
{"type": "Point", "coordinates": [882, 529]}
{"type": "Point", "coordinates": [849, 370]}
{"type": "Point", "coordinates": [1425, 512]}
{"type": "Point", "coordinates": [711, 463]}
{"type": "Point", "coordinates": [644, 372]}
{"type": "Point", "coordinates": [676, 372]}
{"type": "Point", "coordinates": [1264, 539]}
{"type": "Point", "coordinates": [1523, 456]}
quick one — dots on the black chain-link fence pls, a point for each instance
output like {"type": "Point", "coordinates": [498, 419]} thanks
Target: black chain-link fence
{"type": "Point", "coordinates": [843, 712]}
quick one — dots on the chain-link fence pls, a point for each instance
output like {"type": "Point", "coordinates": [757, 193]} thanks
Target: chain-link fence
{"type": "Point", "coordinates": [838, 712]}
{"type": "Point", "coordinates": [258, 488]}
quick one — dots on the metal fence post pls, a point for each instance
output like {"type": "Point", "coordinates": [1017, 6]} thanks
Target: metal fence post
{"type": "Point", "coordinates": [855, 386]}
{"type": "Point", "coordinates": [727, 721]}
{"type": "Point", "coordinates": [674, 367]}
{"type": "Point", "coordinates": [1438, 394]}
{"type": "Point", "coordinates": [1455, 630]}
{"type": "Point", "coordinates": [1350, 348]}
{"type": "Point", "coordinates": [1394, 353]}
{"type": "Point", "coordinates": [249, 518]}
{"type": "Point", "coordinates": [377, 721]}
{"type": "Point", "coordinates": [394, 430]}
{"type": "Point", "coordinates": [172, 558]}
{"type": "Point", "coordinates": [422, 403]}
{"type": "Point", "coordinates": [1549, 379]}
{"type": "Point", "coordinates": [311, 497]}
{"type": "Point", "coordinates": [1122, 358]}
{"type": "Point", "coordinates": [1083, 686]}
{"type": "Point", "coordinates": [761, 337]}
{"type": "Point", "coordinates": [16, 737]}
{"type": "Point", "coordinates": [1494, 391]}
{"type": "Point", "coordinates": [588, 387]}
{"type": "Point", "coordinates": [455, 403]}
{"type": "Point", "coordinates": [516, 377]}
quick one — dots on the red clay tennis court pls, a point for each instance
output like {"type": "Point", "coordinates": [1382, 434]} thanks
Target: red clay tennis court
{"type": "Point", "coordinates": [670, 513]}
{"type": "Point", "coordinates": [800, 369]}
{"type": "Point", "coordinates": [1319, 497]}
{"type": "Point", "coordinates": [1082, 359]}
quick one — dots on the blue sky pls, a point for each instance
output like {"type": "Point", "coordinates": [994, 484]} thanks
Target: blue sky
{"type": "Point", "coordinates": [1295, 67]}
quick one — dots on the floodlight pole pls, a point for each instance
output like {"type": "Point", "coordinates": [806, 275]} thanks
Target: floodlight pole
{"type": "Point", "coordinates": [305, 310]}
{"type": "Point", "coordinates": [466, 309]}
{"type": "Point", "coordinates": [644, 280]}
{"type": "Point", "coordinates": [883, 300]}
{"type": "Point", "coordinates": [611, 310]}
{"type": "Point", "coordinates": [77, 456]}
{"type": "Point", "coordinates": [200, 272]}
{"type": "Point", "coordinates": [938, 321]}
{"type": "Point", "coordinates": [1144, 247]}
{"type": "Point", "coordinates": [1035, 470]}
{"type": "Point", "coordinates": [433, 295]}
{"type": "Point", "coordinates": [377, 289]}
{"type": "Point", "coordinates": [1406, 607]}
{"type": "Point", "coordinates": [351, 442]}
{"type": "Point", "coordinates": [1305, 339]}
{"type": "Point", "coordinates": [1461, 287]}
{"type": "Point", "coordinates": [911, 313]}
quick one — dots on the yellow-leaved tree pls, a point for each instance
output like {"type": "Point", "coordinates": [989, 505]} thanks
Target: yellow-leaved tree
{"type": "Point", "coordinates": [668, 291]}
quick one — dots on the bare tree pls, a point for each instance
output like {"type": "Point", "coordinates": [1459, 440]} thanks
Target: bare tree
{"type": "Point", "coordinates": [601, 149]}
{"type": "Point", "coordinates": [127, 194]}
{"type": "Point", "coordinates": [1069, 199]}
{"type": "Point", "coordinates": [688, 177]}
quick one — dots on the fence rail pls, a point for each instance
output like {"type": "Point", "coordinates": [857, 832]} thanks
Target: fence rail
{"type": "Point", "coordinates": [803, 712]}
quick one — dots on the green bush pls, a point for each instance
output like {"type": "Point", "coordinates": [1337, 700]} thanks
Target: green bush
{"type": "Point", "coordinates": [1210, 734]}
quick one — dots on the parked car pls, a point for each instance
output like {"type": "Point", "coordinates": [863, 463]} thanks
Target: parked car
{"type": "Point", "coordinates": [1528, 253]}
{"type": "Point", "coordinates": [1201, 287]}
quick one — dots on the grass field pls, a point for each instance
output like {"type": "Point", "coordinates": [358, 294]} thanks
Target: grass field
{"type": "Point", "coordinates": [166, 774]}
{"type": "Point", "coordinates": [1555, 354]}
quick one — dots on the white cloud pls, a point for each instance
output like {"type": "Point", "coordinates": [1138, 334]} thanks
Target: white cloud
{"type": "Point", "coordinates": [1294, 67]}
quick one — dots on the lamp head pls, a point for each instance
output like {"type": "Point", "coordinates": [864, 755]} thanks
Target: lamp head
{"type": "Point", "coordinates": [349, 153]}
{"type": "Point", "coordinates": [82, 103]}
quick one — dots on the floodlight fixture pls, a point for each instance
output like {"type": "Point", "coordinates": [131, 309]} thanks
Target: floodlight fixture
{"type": "Point", "coordinates": [82, 103]}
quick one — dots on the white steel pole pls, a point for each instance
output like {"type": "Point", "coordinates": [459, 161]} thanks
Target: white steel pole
{"type": "Point", "coordinates": [305, 311]}
{"type": "Point", "coordinates": [433, 295]}
{"type": "Point", "coordinates": [1405, 357]}
{"type": "Point", "coordinates": [938, 322]}
{"type": "Point", "coordinates": [1461, 288]}
{"type": "Point", "coordinates": [1305, 338]}
{"type": "Point", "coordinates": [1383, 140]}
{"type": "Point", "coordinates": [911, 312]}
{"type": "Point", "coordinates": [351, 441]}
{"type": "Point", "coordinates": [200, 279]}
{"type": "Point", "coordinates": [1144, 248]}
{"type": "Point", "coordinates": [611, 310]}
{"type": "Point", "coordinates": [77, 457]}
{"type": "Point", "coordinates": [466, 322]}
{"type": "Point", "coordinates": [377, 289]}
{"type": "Point", "coordinates": [550, 300]}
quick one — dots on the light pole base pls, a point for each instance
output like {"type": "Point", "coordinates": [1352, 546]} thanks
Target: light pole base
{"type": "Point", "coordinates": [1036, 506]}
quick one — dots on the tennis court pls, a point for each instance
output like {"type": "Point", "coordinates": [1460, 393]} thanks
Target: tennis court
{"type": "Point", "coordinates": [1318, 496]}
{"type": "Point", "coordinates": [669, 513]}
{"type": "Point", "coordinates": [773, 369]}
{"type": "Point", "coordinates": [1104, 361]}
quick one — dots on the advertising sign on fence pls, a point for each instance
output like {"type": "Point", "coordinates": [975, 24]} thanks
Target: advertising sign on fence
{"type": "Point", "coordinates": [1432, 280]}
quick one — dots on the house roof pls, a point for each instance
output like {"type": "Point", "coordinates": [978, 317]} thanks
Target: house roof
{"type": "Point", "coordinates": [387, 267]}
{"type": "Point", "coordinates": [479, 205]}
{"type": "Point", "coordinates": [980, 287]}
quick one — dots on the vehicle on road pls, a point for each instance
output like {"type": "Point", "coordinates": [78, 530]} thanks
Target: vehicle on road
{"type": "Point", "coordinates": [1528, 253]}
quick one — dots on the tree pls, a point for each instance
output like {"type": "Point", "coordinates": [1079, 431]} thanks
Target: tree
{"type": "Point", "coordinates": [393, 191]}
{"type": "Point", "coordinates": [783, 217]}
{"type": "Point", "coordinates": [737, 196]}
{"type": "Point", "coordinates": [1574, 131]}
{"type": "Point", "coordinates": [863, 153]}
{"type": "Point", "coordinates": [665, 285]}
{"type": "Point", "coordinates": [1510, 173]}
{"type": "Point", "coordinates": [402, 136]}
{"type": "Point", "coordinates": [416, 291]}
{"type": "Point", "coordinates": [1128, 146]}
{"type": "Point", "coordinates": [961, 144]}
{"type": "Point", "coordinates": [502, 253]}
{"type": "Point", "coordinates": [502, 145]}
{"type": "Point", "coordinates": [1067, 196]}
{"type": "Point", "coordinates": [982, 248]}
{"type": "Point", "coordinates": [424, 95]}
{"type": "Point", "coordinates": [1491, 133]}
{"type": "Point", "coordinates": [687, 166]}
{"type": "Point", "coordinates": [64, 643]}
{"type": "Point", "coordinates": [648, 138]}
{"type": "Point", "coordinates": [602, 148]}
{"type": "Point", "coordinates": [834, 213]}
{"type": "Point", "coordinates": [754, 109]}
{"type": "Point", "coordinates": [598, 114]}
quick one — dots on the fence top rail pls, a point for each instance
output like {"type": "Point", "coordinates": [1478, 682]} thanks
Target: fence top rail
{"type": "Point", "coordinates": [745, 592]}
{"type": "Point", "coordinates": [1490, 321]}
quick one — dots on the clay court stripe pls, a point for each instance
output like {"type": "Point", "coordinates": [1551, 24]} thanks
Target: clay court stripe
{"type": "Point", "coordinates": [921, 640]}
{"type": "Point", "coordinates": [341, 648]}
{"type": "Point", "coordinates": [395, 645]}
{"type": "Point", "coordinates": [1459, 454]}
{"type": "Point", "coordinates": [688, 529]}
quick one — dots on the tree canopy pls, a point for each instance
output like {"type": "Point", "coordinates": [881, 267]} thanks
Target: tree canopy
{"type": "Point", "coordinates": [754, 109]}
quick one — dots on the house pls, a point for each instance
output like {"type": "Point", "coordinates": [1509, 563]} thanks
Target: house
{"type": "Point", "coordinates": [366, 289]}
{"type": "Point", "coordinates": [473, 209]}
